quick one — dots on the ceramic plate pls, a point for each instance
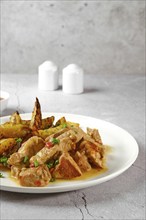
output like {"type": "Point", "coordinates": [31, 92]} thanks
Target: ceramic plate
{"type": "Point", "coordinates": [123, 154]}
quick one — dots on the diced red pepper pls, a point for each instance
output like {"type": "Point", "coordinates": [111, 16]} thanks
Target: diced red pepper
{"type": "Point", "coordinates": [49, 144]}
{"type": "Point", "coordinates": [32, 165]}
{"type": "Point", "coordinates": [37, 183]}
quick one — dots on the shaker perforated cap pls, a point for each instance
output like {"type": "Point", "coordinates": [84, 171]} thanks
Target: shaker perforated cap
{"type": "Point", "coordinates": [73, 79]}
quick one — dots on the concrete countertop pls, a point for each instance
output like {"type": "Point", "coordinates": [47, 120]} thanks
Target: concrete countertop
{"type": "Point", "coordinates": [119, 99]}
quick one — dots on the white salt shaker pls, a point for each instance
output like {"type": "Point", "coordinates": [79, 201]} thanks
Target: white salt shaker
{"type": "Point", "coordinates": [73, 79]}
{"type": "Point", "coordinates": [48, 76]}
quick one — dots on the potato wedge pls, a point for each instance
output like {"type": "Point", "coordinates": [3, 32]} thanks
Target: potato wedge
{"type": "Point", "coordinates": [47, 122]}
{"type": "Point", "coordinates": [7, 144]}
{"type": "Point", "coordinates": [72, 124]}
{"type": "Point", "coordinates": [47, 132]}
{"type": "Point", "coordinates": [36, 120]}
{"type": "Point", "coordinates": [26, 122]}
{"type": "Point", "coordinates": [15, 118]}
{"type": "Point", "coordinates": [14, 131]}
{"type": "Point", "coordinates": [60, 121]}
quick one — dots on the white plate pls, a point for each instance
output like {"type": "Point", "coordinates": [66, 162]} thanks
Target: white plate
{"type": "Point", "coordinates": [124, 153]}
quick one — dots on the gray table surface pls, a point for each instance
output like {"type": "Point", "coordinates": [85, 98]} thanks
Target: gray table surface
{"type": "Point", "coordinates": [119, 99]}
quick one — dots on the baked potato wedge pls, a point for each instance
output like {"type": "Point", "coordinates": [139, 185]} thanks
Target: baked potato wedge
{"type": "Point", "coordinates": [60, 121]}
{"type": "Point", "coordinates": [15, 118]}
{"type": "Point", "coordinates": [36, 119]}
{"type": "Point", "coordinates": [46, 122]}
{"type": "Point", "coordinates": [7, 144]}
{"type": "Point", "coordinates": [47, 132]}
{"type": "Point", "coordinates": [14, 131]}
{"type": "Point", "coordinates": [72, 124]}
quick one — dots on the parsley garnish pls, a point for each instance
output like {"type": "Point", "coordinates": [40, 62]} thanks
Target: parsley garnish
{"type": "Point", "coordinates": [25, 159]}
{"type": "Point", "coordinates": [55, 141]}
{"type": "Point", "coordinates": [36, 163]}
{"type": "Point", "coordinates": [56, 162]}
{"type": "Point", "coordinates": [64, 125]}
{"type": "Point", "coordinates": [1, 175]}
{"type": "Point", "coordinates": [3, 160]}
{"type": "Point", "coordinates": [18, 140]}
{"type": "Point", "coordinates": [50, 164]}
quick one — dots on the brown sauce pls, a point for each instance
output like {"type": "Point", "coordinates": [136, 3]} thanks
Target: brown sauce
{"type": "Point", "coordinates": [85, 176]}
{"type": "Point", "coordinates": [108, 149]}
{"type": "Point", "coordinates": [16, 181]}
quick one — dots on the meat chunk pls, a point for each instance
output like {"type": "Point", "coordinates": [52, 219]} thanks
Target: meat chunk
{"type": "Point", "coordinates": [28, 148]}
{"type": "Point", "coordinates": [94, 137]}
{"type": "Point", "coordinates": [82, 161]}
{"type": "Point", "coordinates": [35, 176]}
{"type": "Point", "coordinates": [31, 146]}
{"type": "Point", "coordinates": [56, 134]}
{"type": "Point", "coordinates": [66, 144]}
{"type": "Point", "coordinates": [66, 132]}
{"type": "Point", "coordinates": [88, 137]}
{"type": "Point", "coordinates": [45, 154]}
{"type": "Point", "coordinates": [15, 171]}
{"type": "Point", "coordinates": [93, 154]}
{"type": "Point", "coordinates": [78, 132]}
{"type": "Point", "coordinates": [67, 168]}
{"type": "Point", "coordinates": [74, 134]}
{"type": "Point", "coordinates": [94, 133]}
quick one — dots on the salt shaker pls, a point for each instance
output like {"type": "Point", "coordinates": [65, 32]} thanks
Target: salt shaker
{"type": "Point", "coordinates": [73, 79]}
{"type": "Point", "coordinates": [48, 76]}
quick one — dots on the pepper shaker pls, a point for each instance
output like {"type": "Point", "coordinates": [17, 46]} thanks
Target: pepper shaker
{"type": "Point", "coordinates": [73, 79]}
{"type": "Point", "coordinates": [48, 76]}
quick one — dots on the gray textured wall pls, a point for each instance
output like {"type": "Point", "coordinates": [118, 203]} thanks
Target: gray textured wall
{"type": "Point", "coordinates": [101, 36]}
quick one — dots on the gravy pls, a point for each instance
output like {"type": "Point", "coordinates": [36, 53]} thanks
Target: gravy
{"type": "Point", "coordinates": [94, 172]}
{"type": "Point", "coordinates": [85, 176]}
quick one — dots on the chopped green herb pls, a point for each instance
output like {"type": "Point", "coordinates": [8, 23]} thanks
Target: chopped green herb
{"type": "Point", "coordinates": [56, 162]}
{"type": "Point", "coordinates": [50, 164]}
{"type": "Point", "coordinates": [36, 163]}
{"type": "Point", "coordinates": [1, 175]}
{"type": "Point", "coordinates": [55, 141]}
{"type": "Point", "coordinates": [64, 125]}
{"type": "Point", "coordinates": [25, 159]}
{"type": "Point", "coordinates": [3, 159]}
{"type": "Point", "coordinates": [52, 179]}
{"type": "Point", "coordinates": [18, 140]}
